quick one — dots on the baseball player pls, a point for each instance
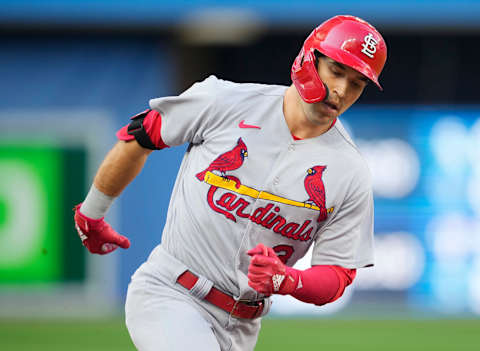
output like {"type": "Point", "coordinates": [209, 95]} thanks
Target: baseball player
{"type": "Point", "coordinates": [269, 172]}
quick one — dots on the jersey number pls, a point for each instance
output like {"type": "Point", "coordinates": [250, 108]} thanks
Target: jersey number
{"type": "Point", "coordinates": [284, 252]}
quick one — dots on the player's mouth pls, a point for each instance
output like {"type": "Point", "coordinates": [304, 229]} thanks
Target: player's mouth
{"type": "Point", "coordinates": [332, 107]}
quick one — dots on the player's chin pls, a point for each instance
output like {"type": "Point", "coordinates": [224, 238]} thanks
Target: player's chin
{"type": "Point", "coordinates": [323, 119]}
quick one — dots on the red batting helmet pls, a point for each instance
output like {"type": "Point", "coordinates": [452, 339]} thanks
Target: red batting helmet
{"type": "Point", "coordinates": [345, 39]}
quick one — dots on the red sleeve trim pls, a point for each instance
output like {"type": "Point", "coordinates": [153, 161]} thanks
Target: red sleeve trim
{"type": "Point", "coordinates": [153, 126]}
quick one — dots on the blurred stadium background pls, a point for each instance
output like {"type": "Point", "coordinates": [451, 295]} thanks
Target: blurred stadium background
{"type": "Point", "coordinates": [73, 72]}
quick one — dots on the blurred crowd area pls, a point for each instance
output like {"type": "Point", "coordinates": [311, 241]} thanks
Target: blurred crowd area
{"type": "Point", "coordinates": [73, 72]}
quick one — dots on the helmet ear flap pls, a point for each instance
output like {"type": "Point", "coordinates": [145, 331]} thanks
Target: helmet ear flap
{"type": "Point", "coordinates": [306, 79]}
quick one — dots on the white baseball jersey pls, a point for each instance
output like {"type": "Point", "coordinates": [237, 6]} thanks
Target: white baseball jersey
{"type": "Point", "coordinates": [246, 180]}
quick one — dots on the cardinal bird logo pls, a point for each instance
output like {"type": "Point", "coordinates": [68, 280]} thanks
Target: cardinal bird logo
{"type": "Point", "coordinates": [316, 190]}
{"type": "Point", "coordinates": [227, 161]}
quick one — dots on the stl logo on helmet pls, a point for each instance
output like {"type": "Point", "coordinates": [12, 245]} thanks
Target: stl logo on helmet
{"type": "Point", "coordinates": [369, 45]}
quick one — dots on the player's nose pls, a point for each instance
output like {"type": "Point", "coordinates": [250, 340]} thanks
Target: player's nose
{"type": "Point", "coordinates": [340, 87]}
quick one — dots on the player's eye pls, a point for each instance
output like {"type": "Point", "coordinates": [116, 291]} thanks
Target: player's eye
{"type": "Point", "coordinates": [359, 83]}
{"type": "Point", "coordinates": [356, 85]}
{"type": "Point", "coordinates": [337, 73]}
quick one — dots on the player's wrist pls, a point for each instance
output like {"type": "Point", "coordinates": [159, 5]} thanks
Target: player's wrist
{"type": "Point", "coordinates": [290, 282]}
{"type": "Point", "coordinates": [88, 222]}
{"type": "Point", "coordinates": [96, 204]}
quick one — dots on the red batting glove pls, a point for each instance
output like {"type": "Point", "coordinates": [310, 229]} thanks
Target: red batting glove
{"type": "Point", "coordinates": [268, 275]}
{"type": "Point", "coordinates": [97, 235]}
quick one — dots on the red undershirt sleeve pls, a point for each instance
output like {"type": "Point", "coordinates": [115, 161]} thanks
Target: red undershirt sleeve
{"type": "Point", "coordinates": [321, 284]}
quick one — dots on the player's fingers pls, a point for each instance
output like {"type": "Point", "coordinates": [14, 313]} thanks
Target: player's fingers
{"type": "Point", "coordinates": [258, 277]}
{"type": "Point", "coordinates": [260, 269]}
{"type": "Point", "coordinates": [264, 249]}
{"type": "Point", "coordinates": [256, 269]}
{"type": "Point", "coordinates": [270, 252]}
{"type": "Point", "coordinates": [260, 260]}
{"type": "Point", "coordinates": [253, 252]}
{"type": "Point", "coordinates": [121, 241]}
{"type": "Point", "coordinates": [108, 247]}
{"type": "Point", "coordinates": [260, 288]}
{"type": "Point", "coordinates": [253, 285]}
{"type": "Point", "coordinates": [260, 274]}
{"type": "Point", "coordinates": [257, 250]}
{"type": "Point", "coordinates": [260, 249]}
{"type": "Point", "coordinates": [110, 235]}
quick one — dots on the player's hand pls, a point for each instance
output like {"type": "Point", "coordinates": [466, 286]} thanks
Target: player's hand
{"type": "Point", "coordinates": [97, 235]}
{"type": "Point", "coordinates": [267, 274]}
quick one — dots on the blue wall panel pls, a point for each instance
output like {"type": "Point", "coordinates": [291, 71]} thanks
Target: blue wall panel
{"type": "Point", "coordinates": [116, 76]}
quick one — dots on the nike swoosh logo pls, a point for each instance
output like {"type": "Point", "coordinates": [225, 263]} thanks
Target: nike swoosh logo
{"type": "Point", "coordinates": [243, 125]}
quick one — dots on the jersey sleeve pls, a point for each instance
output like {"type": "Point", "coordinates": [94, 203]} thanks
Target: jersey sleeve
{"type": "Point", "coordinates": [347, 240]}
{"type": "Point", "coordinates": [186, 118]}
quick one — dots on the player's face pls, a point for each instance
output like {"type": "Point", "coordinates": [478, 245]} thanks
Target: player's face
{"type": "Point", "coordinates": [345, 86]}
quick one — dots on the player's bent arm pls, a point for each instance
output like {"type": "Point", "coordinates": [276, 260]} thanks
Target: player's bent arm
{"type": "Point", "coordinates": [318, 285]}
{"type": "Point", "coordinates": [121, 165]}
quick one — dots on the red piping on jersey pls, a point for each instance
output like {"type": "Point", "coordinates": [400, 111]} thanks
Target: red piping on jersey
{"type": "Point", "coordinates": [153, 126]}
{"type": "Point", "coordinates": [333, 123]}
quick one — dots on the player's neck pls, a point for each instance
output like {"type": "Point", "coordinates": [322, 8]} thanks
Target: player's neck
{"type": "Point", "coordinates": [296, 119]}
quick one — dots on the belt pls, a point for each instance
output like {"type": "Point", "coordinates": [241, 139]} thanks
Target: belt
{"type": "Point", "coordinates": [236, 308]}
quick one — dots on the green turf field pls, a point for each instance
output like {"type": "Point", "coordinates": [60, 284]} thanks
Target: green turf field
{"type": "Point", "coordinates": [276, 335]}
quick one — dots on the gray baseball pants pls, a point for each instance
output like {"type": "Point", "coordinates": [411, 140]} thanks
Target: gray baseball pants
{"type": "Point", "coordinates": [162, 315]}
